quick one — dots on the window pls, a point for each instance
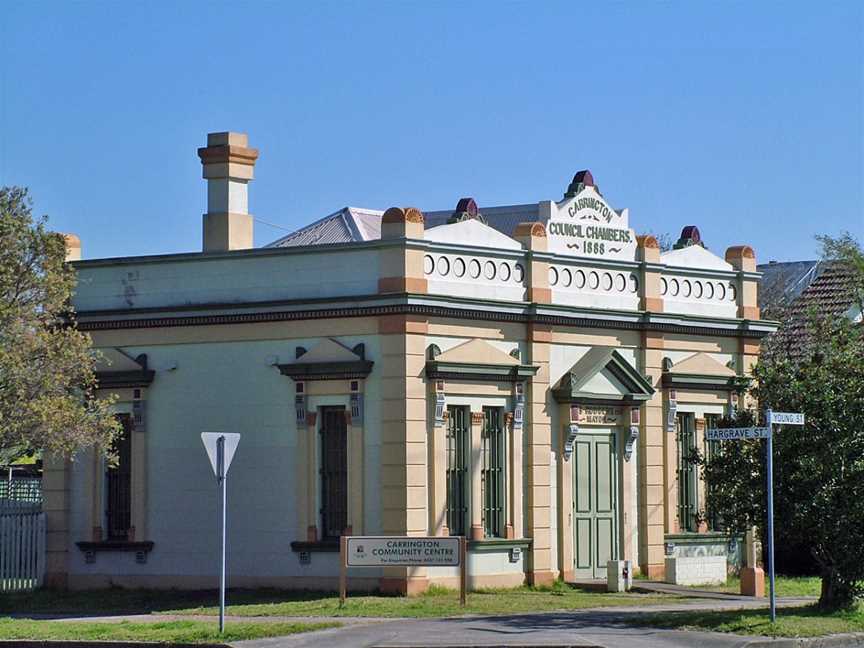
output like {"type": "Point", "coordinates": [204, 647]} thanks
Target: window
{"type": "Point", "coordinates": [458, 458]}
{"type": "Point", "coordinates": [712, 450]}
{"type": "Point", "coordinates": [334, 472]}
{"type": "Point", "coordinates": [118, 484]}
{"type": "Point", "coordinates": [492, 451]}
{"type": "Point", "coordinates": [687, 474]}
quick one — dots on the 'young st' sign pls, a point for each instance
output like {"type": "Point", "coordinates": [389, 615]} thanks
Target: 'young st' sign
{"type": "Point", "coordinates": [737, 434]}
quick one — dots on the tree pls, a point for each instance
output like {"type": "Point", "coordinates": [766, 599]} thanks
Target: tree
{"type": "Point", "coordinates": [47, 378]}
{"type": "Point", "coordinates": [819, 468]}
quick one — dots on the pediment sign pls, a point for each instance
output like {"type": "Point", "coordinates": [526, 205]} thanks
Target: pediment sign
{"type": "Point", "coordinates": [587, 226]}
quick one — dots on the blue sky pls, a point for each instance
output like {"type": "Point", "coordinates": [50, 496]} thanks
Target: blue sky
{"type": "Point", "coordinates": [746, 119]}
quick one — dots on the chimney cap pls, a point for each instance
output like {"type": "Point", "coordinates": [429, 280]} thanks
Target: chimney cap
{"type": "Point", "coordinates": [228, 138]}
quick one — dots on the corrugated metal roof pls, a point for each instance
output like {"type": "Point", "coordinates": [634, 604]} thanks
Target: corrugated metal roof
{"type": "Point", "coordinates": [504, 219]}
{"type": "Point", "coordinates": [351, 224]}
{"type": "Point", "coordinates": [347, 225]}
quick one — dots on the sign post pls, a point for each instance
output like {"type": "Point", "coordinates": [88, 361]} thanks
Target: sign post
{"type": "Point", "coordinates": [401, 551]}
{"type": "Point", "coordinates": [767, 433]}
{"type": "Point", "coordinates": [220, 450]}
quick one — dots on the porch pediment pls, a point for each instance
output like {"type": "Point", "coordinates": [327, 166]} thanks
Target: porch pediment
{"type": "Point", "coordinates": [328, 360]}
{"type": "Point", "coordinates": [602, 375]}
{"type": "Point", "coordinates": [476, 360]}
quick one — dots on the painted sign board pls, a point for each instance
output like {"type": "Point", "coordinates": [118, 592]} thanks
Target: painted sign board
{"type": "Point", "coordinates": [595, 415]}
{"type": "Point", "coordinates": [401, 551]}
{"type": "Point", "coordinates": [587, 226]}
{"type": "Point", "coordinates": [786, 418]}
{"type": "Point", "coordinates": [735, 434]}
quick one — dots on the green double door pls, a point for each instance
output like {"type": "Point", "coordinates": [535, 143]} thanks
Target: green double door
{"type": "Point", "coordinates": [595, 504]}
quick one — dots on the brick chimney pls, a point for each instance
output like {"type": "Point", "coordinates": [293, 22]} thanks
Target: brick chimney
{"type": "Point", "coordinates": [228, 166]}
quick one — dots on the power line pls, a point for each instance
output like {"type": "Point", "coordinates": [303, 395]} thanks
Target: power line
{"type": "Point", "coordinates": [263, 222]}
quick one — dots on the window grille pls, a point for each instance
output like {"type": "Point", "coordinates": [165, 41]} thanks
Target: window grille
{"type": "Point", "coordinates": [458, 459]}
{"type": "Point", "coordinates": [493, 441]}
{"type": "Point", "coordinates": [334, 473]}
{"type": "Point", "coordinates": [713, 449]}
{"type": "Point", "coordinates": [687, 476]}
{"type": "Point", "coordinates": [118, 484]}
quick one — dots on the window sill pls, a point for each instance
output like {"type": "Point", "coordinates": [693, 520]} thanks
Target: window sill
{"type": "Point", "coordinates": [325, 546]}
{"type": "Point", "coordinates": [140, 549]}
{"type": "Point", "coordinates": [498, 544]}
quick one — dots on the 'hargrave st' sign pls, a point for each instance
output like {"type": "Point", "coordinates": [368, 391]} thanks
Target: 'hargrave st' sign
{"type": "Point", "coordinates": [585, 225]}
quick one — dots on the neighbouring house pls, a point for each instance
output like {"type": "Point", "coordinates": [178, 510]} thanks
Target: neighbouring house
{"type": "Point", "coordinates": [530, 376]}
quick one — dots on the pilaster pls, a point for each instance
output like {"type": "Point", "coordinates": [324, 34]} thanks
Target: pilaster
{"type": "Point", "coordinates": [55, 503]}
{"type": "Point", "coordinates": [648, 251]}
{"type": "Point", "coordinates": [743, 259]}
{"type": "Point", "coordinates": [401, 269]}
{"type": "Point", "coordinates": [538, 469]}
{"type": "Point", "coordinates": [651, 463]}
{"type": "Point", "coordinates": [403, 441]}
{"type": "Point", "coordinates": [477, 531]}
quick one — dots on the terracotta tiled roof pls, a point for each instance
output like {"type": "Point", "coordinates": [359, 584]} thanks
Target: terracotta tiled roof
{"type": "Point", "coordinates": [831, 294]}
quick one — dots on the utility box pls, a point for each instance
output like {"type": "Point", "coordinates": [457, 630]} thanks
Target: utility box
{"type": "Point", "coordinates": [619, 575]}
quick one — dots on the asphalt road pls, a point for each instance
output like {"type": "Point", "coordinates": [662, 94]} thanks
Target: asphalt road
{"type": "Point", "coordinates": [607, 628]}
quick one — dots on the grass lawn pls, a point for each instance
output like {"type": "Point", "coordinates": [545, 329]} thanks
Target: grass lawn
{"type": "Point", "coordinates": [163, 632]}
{"type": "Point", "coordinates": [437, 602]}
{"type": "Point", "coordinates": [806, 621]}
{"type": "Point", "coordinates": [786, 586]}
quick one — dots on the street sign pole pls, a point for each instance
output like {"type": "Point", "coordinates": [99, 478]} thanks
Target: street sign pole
{"type": "Point", "coordinates": [223, 482]}
{"type": "Point", "coordinates": [770, 477]}
{"type": "Point", "coordinates": [220, 449]}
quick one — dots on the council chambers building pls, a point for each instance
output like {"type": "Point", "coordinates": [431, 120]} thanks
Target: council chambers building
{"type": "Point", "coordinates": [530, 376]}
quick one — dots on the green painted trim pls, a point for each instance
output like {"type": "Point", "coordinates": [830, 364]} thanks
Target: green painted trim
{"type": "Point", "coordinates": [327, 370]}
{"type": "Point", "coordinates": [705, 382]}
{"type": "Point", "coordinates": [472, 371]}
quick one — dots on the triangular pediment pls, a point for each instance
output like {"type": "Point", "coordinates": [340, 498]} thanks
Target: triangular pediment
{"type": "Point", "coordinates": [477, 351]}
{"type": "Point", "coordinates": [328, 350]}
{"type": "Point", "coordinates": [471, 232]}
{"type": "Point", "coordinates": [328, 360]}
{"type": "Point", "coordinates": [114, 359]}
{"type": "Point", "coordinates": [602, 374]}
{"type": "Point", "coordinates": [694, 256]}
{"type": "Point", "coordinates": [702, 364]}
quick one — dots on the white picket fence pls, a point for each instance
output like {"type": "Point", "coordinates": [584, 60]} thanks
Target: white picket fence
{"type": "Point", "coordinates": [22, 549]}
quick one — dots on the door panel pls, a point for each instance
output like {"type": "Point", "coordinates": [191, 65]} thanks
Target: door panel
{"type": "Point", "coordinates": [595, 504]}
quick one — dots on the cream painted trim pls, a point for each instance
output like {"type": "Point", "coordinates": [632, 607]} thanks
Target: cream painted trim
{"type": "Point", "coordinates": [516, 470]}
{"type": "Point", "coordinates": [476, 512]}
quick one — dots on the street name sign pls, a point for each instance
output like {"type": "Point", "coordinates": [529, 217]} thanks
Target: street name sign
{"type": "Point", "coordinates": [736, 434]}
{"type": "Point", "coordinates": [785, 418]}
{"type": "Point", "coordinates": [399, 551]}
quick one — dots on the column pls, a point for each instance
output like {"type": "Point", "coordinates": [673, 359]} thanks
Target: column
{"type": "Point", "coordinates": [476, 468]}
